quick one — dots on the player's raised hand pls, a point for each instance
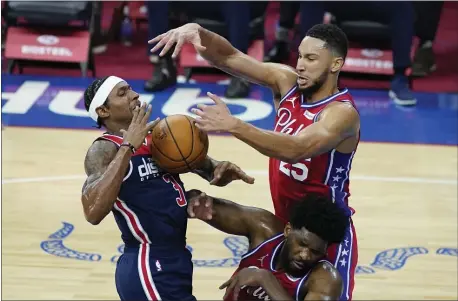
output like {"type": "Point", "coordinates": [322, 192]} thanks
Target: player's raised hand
{"type": "Point", "coordinates": [226, 172]}
{"type": "Point", "coordinates": [200, 206]}
{"type": "Point", "coordinates": [188, 33]}
{"type": "Point", "coordinates": [139, 126]}
{"type": "Point", "coordinates": [215, 117]}
{"type": "Point", "coordinates": [245, 277]}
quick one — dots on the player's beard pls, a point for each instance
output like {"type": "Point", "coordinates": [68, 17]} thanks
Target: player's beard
{"type": "Point", "coordinates": [286, 260]}
{"type": "Point", "coordinates": [316, 85]}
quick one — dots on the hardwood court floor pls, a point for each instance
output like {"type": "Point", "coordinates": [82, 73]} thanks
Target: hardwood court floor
{"type": "Point", "coordinates": [405, 197]}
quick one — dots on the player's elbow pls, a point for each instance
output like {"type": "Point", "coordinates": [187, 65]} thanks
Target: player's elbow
{"type": "Point", "coordinates": [93, 219]}
{"type": "Point", "coordinates": [93, 216]}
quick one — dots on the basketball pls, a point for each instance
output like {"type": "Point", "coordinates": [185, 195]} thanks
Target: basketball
{"type": "Point", "coordinates": [177, 145]}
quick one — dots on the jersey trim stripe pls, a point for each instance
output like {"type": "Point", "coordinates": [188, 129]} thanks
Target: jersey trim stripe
{"type": "Point", "coordinates": [331, 161]}
{"type": "Point", "coordinates": [288, 94]}
{"type": "Point", "coordinates": [348, 170]}
{"type": "Point", "coordinates": [348, 265]}
{"type": "Point", "coordinates": [140, 234]}
{"type": "Point", "coordinates": [111, 140]}
{"type": "Point", "coordinates": [298, 289]}
{"type": "Point", "coordinates": [321, 102]}
{"type": "Point", "coordinates": [260, 246]}
{"type": "Point", "coordinates": [131, 167]}
{"type": "Point", "coordinates": [274, 253]}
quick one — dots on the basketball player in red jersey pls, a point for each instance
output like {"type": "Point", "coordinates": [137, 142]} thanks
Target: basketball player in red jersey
{"type": "Point", "coordinates": [149, 205]}
{"type": "Point", "coordinates": [283, 262]}
{"type": "Point", "coordinates": [317, 126]}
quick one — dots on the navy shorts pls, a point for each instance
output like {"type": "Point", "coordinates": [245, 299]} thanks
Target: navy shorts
{"type": "Point", "coordinates": [142, 273]}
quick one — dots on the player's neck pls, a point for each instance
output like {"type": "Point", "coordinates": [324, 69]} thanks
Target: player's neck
{"type": "Point", "coordinates": [115, 128]}
{"type": "Point", "coordinates": [329, 88]}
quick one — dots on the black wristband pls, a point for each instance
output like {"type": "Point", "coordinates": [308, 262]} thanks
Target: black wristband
{"type": "Point", "coordinates": [132, 148]}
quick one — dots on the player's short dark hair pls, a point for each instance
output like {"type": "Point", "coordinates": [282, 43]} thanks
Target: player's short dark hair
{"type": "Point", "coordinates": [335, 39]}
{"type": "Point", "coordinates": [90, 93]}
{"type": "Point", "coordinates": [319, 215]}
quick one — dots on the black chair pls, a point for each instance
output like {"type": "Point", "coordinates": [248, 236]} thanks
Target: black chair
{"type": "Point", "coordinates": [213, 22]}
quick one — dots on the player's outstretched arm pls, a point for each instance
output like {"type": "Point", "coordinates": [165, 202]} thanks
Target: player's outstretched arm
{"type": "Point", "coordinates": [254, 223]}
{"type": "Point", "coordinates": [221, 54]}
{"type": "Point", "coordinates": [336, 123]}
{"type": "Point", "coordinates": [221, 173]}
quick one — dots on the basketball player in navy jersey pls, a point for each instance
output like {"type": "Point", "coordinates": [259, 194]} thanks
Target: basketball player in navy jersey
{"type": "Point", "coordinates": [283, 262]}
{"type": "Point", "coordinates": [149, 205]}
{"type": "Point", "coordinates": [317, 125]}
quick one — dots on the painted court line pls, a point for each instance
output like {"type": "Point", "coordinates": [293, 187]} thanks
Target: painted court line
{"type": "Point", "coordinates": [452, 182]}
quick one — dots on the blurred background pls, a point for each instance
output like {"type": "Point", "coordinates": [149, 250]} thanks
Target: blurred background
{"type": "Point", "coordinates": [402, 70]}
{"type": "Point", "coordinates": [388, 40]}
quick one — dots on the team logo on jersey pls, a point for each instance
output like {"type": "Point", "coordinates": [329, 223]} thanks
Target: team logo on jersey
{"type": "Point", "coordinates": [291, 100]}
{"type": "Point", "coordinates": [147, 169]}
{"type": "Point", "coordinates": [261, 259]}
{"type": "Point", "coordinates": [286, 123]}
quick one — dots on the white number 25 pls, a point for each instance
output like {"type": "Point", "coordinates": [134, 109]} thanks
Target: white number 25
{"type": "Point", "coordinates": [298, 171]}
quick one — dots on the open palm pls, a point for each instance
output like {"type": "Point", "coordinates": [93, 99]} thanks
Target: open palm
{"type": "Point", "coordinates": [188, 33]}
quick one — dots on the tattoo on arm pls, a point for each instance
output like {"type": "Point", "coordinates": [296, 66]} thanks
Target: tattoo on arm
{"type": "Point", "coordinates": [98, 157]}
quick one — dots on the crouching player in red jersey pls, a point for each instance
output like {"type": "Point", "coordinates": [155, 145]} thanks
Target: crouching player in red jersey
{"type": "Point", "coordinates": [283, 262]}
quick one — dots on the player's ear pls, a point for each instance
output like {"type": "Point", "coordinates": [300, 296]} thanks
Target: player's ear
{"type": "Point", "coordinates": [102, 111]}
{"type": "Point", "coordinates": [337, 64]}
{"type": "Point", "coordinates": [287, 229]}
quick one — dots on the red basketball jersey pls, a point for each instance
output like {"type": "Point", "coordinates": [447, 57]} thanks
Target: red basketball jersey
{"type": "Point", "coordinates": [264, 257]}
{"type": "Point", "coordinates": [327, 173]}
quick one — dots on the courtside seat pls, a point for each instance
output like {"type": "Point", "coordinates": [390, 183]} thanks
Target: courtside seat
{"type": "Point", "coordinates": [53, 34]}
{"type": "Point", "coordinates": [191, 61]}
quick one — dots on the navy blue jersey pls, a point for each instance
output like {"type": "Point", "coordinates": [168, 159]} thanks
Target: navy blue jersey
{"type": "Point", "coordinates": [151, 204]}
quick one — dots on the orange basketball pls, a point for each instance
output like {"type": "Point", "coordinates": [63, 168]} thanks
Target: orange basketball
{"type": "Point", "coordinates": [177, 145]}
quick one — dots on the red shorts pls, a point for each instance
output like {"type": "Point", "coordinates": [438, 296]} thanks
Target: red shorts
{"type": "Point", "coordinates": [345, 258]}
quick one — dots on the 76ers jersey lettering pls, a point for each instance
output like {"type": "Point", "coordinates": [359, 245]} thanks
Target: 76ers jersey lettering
{"type": "Point", "coordinates": [151, 204]}
{"type": "Point", "coordinates": [327, 173]}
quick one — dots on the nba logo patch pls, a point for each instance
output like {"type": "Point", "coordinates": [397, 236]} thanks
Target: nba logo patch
{"type": "Point", "coordinates": [158, 266]}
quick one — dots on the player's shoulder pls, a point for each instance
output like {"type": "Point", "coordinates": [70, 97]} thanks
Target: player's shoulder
{"type": "Point", "coordinates": [270, 225]}
{"type": "Point", "coordinates": [326, 271]}
{"type": "Point", "coordinates": [323, 279]}
{"type": "Point", "coordinates": [340, 109]}
{"type": "Point", "coordinates": [100, 146]}
{"type": "Point", "coordinates": [101, 152]}
{"type": "Point", "coordinates": [266, 227]}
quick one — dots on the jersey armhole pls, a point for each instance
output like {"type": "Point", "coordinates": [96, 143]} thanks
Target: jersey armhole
{"type": "Point", "coordinates": [288, 94]}
{"type": "Point", "coordinates": [107, 139]}
{"type": "Point", "coordinates": [253, 251]}
{"type": "Point", "coordinates": [299, 292]}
